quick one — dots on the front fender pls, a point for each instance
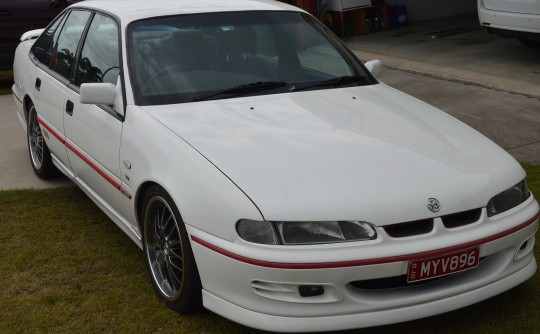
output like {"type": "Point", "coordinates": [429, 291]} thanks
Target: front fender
{"type": "Point", "coordinates": [206, 198]}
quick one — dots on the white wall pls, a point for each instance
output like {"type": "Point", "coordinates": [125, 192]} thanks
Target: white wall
{"type": "Point", "coordinates": [419, 10]}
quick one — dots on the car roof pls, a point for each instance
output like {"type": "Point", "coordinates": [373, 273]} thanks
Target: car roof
{"type": "Point", "coordinates": [131, 10]}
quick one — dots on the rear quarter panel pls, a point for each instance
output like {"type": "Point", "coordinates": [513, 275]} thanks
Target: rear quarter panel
{"type": "Point", "coordinates": [23, 72]}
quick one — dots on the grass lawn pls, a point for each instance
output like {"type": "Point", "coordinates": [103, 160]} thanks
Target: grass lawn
{"type": "Point", "coordinates": [6, 81]}
{"type": "Point", "coordinates": [66, 268]}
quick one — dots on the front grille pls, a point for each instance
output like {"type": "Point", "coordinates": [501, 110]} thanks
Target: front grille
{"type": "Point", "coordinates": [390, 283]}
{"type": "Point", "coordinates": [461, 218]}
{"type": "Point", "coordinates": [424, 226]}
{"type": "Point", "coordinates": [409, 228]}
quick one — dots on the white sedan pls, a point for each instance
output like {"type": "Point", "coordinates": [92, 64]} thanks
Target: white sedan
{"type": "Point", "coordinates": [264, 171]}
{"type": "Point", "coordinates": [511, 18]}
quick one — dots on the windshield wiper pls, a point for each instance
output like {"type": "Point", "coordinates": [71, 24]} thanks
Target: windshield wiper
{"type": "Point", "coordinates": [334, 82]}
{"type": "Point", "coordinates": [242, 90]}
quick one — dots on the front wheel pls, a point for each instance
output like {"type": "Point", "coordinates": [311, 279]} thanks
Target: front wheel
{"type": "Point", "coordinates": [40, 157]}
{"type": "Point", "coordinates": [168, 254]}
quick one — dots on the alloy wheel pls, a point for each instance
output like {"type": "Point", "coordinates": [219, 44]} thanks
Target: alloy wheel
{"type": "Point", "coordinates": [35, 140]}
{"type": "Point", "coordinates": [164, 248]}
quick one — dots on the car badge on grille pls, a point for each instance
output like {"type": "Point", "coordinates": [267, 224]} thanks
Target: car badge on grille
{"type": "Point", "coordinates": [433, 205]}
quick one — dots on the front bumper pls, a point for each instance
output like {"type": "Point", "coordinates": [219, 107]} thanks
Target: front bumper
{"type": "Point", "coordinates": [358, 320]}
{"type": "Point", "coordinates": [258, 285]}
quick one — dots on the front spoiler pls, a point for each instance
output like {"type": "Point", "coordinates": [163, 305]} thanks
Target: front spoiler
{"type": "Point", "coordinates": [274, 323]}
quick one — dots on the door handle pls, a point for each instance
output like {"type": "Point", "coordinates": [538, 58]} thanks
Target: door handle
{"type": "Point", "coordinates": [38, 84]}
{"type": "Point", "coordinates": [69, 108]}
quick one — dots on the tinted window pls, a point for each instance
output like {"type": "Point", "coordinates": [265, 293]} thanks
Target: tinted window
{"type": "Point", "coordinates": [20, 16]}
{"type": "Point", "coordinates": [42, 48]}
{"type": "Point", "coordinates": [185, 58]}
{"type": "Point", "coordinates": [66, 47]}
{"type": "Point", "coordinates": [100, 57]}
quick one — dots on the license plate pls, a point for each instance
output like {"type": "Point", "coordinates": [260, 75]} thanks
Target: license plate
{"type": "Point", "coordinates": [443, 265]}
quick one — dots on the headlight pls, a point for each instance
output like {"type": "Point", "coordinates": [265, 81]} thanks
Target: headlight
{"type": "Point", "coordinates": [260, 232]}
{"type": "Point", "coordinates": [304, 233]}
{"type": "Point", "coordinates": [508, 199]}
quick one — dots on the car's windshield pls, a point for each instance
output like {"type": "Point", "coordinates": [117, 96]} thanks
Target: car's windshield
{"type": "Point", "coordinates": [198, 57]}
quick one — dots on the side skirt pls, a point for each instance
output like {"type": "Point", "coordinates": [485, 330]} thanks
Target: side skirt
{"type": "Point", "coordinates": [131, 231]}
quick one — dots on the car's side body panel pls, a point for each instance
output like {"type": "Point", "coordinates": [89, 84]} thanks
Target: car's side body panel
{"type": "Point", "coordinates": [205, 197]}
{"type": "Point", "coordinates": [26, 71]}
{"type": "Point", "coordinates": [50, 101]}
{"type": "Point", "coordinates": [94, 135]}
{"type": "Point", "coordinates": [23, 74]}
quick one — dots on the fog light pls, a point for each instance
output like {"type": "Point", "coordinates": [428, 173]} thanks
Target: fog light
{"type": "Point", "coordinates": [310, 290]}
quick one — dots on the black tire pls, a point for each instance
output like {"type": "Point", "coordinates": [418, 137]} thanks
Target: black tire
{"type": "Point", "coordinates": [40, 156]}
{"type": "Point", "coordinates": [168, 255]}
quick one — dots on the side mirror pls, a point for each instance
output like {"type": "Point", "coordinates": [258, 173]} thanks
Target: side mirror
{"type": "Point", "coordinates": [97, 93]}
{"type": "Point", "coordinates": [375, 67]}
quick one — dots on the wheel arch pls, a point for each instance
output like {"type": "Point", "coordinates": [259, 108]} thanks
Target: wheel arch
{"type": "Point", "coordinates": [189, 298]}
{"type": "Point", "coordinates": [27, 101]}
{"type": "Point", "coordinates": [139, 198]}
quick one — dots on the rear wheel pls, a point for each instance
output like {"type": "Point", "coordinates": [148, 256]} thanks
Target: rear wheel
{"type": "Point", "coordinates": [168, 254]}
{"type": "Point", "coordinates": [40, 157]}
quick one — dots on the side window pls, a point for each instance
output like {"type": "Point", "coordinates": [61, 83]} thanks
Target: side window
{"type": "Point", "coordinates": [100, 54]}
{"type": "Point", "coordinates": [42, 48]}
{"type": "Point", "coordinates": [66, 47]}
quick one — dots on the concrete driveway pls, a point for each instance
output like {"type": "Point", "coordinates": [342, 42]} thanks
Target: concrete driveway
{"type": "Point", "coordinates": [456, 49]}
{"type": "Point", "coordinates": [16, 170]}
{"type": "Point", "coordinates": [512, 121]}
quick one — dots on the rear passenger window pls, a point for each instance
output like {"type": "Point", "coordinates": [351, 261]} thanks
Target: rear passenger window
{"type": "Point", "coordinates": [100, 57]}
{"type": "Point", "coordinates": [65, 49]}
{"type": "Point", "coordinates": [42, 48]}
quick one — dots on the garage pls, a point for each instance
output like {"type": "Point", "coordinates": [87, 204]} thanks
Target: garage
{"type": "Point", "coordinates": [437, 38]}
{"type": "Point", "coordinates": [352, 17]}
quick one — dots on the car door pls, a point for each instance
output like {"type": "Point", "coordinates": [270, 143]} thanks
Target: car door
{"type": "Point", "coordinates": [54, 53]}
{"type": "Point", "coordinates": [93, 132]}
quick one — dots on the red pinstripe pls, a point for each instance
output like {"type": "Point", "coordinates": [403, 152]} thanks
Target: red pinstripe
{"type": "Point", "coordinates": [13, 93]}
{"type": "Point", "coordinates": [84, 158]}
